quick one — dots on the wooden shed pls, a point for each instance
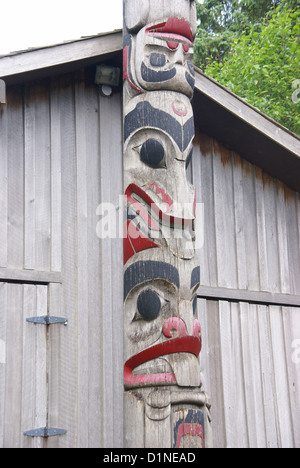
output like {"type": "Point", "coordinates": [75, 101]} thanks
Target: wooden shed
{"type": "Point", "coordinates": [60, 158]}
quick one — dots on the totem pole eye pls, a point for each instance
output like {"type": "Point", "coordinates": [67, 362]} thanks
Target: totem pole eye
{"type": "Point", "coordinates": [158, 60]}
{"type": "Point", "coordinates": [153, 154]}
{"type": "Point", "coordinates": [149, 304]}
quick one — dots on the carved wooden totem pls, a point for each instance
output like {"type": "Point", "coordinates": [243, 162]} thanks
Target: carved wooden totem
{"type": "Point", "coordinates": [164, 404]}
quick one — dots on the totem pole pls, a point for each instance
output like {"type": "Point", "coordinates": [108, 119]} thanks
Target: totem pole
{"type": "Point", "coordinates": [163, 401]}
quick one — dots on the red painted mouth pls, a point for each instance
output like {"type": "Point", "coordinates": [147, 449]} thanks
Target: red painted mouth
{"type": "Point", "coordinates": [134, 239]}
{"type": "Point", "coordinates": [135, 189]}
{"type": "Point", "coordinates": [173, 31]}
{"type": "Point", "coordinates": [184, 344]}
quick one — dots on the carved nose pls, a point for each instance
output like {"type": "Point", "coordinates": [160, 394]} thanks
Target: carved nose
{"type": "Point", "coordinates": [174, 327]}
{"type": "Point", "coordinates": [179, 55]}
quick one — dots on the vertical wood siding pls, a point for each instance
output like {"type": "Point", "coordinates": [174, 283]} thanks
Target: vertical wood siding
{"type": "Point", "coordinates": [249, 369]}
{"type": "Point", "coordinates": [61, 156]}
{"type": "Point", "coordinates": [251, 223]}
{"type": "Point", "coordinates": [251, 242]}
{"type": "Point", "coordinates": [23, 367]}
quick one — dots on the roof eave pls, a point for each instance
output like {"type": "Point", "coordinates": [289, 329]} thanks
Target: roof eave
{"type": "Point", "coordinates": [218, 112]}
{"type": "Point", "coordinates": [38, 62]}
{"type": "Point", "coordinates": [246, 130]}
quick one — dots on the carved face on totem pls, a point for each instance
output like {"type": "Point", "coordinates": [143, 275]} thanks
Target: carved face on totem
{"type": "Point", "coordinates": [162, 333]}
{"type": "Point", "coordinates": [139, 13]}
{"type": "Point", "coordinates": [158, 133]}
{"type": "Point", "coordinates": [160, 56]}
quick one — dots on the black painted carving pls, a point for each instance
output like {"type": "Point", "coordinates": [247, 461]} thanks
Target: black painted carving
{"type": "Point", "coordinates": [152, 153]}
{"type": "Point", "coordinates": [193, 418]}
{"type": "Point", "coordinates": [148, 304]}
{"type": "Point", "coordinates": [189, 158]}
{"type": "Point", "coordinates": [127, 42]}
{"type": "Point", "coordinates": [190, 80]}
{"type": "Point", "coordinates": [140, 272]}
{"type": "Point", "coordinates": [157, 60]}
{"type": "Point", "coordinates": [153, 76]}
{"type": "Point", "coordinates": [191, 68]}
{"type": "Point", "coordinates": [144, 115]}
{"type": "Point", "coordinates": [195, 278]}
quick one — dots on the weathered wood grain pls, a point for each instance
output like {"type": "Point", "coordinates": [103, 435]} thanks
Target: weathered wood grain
{"type": "Point", "coordinates": [251, 232]}
{"type": "Point", "coordinates": [251, 345]}
{"type": "Point", "coordinates": [3, 186]}
{"type": "Point", "coordinates": [162, 336]}
{"type": "Point", "coordinates": [84, 360]}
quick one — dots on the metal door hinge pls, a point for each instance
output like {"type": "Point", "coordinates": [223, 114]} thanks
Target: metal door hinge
{"type": "Point", "coordinates": [45, 432]}
{"type": "Point", "coordinates": [47, 320]}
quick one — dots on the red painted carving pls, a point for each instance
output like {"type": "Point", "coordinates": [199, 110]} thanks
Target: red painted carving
{"type": "Point", "coordinates": [135, 241]}
{"type": "Point", "coordinates": [179, 108]}
{"type": "Point", "coordinates": [176, 324]}
{"type": "Point", "coordinates": [133, 188]}
{"type": "Point", "coordinates": [177, 29]}
{"type": "Point", "coordinates": [194, 430]}
{"type": "Point", "coordinates": [184, 344]}
{"type": "Point", "coordinates": [165, 197]}
{"type": "Point", "coordinates": [125, 69]}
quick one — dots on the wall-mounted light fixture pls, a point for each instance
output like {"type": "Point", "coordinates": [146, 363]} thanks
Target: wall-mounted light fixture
{"type": "Point", "coordinates": [106, 77]}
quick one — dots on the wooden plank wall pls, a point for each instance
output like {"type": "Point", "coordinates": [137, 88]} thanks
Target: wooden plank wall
{"type": "Point", "coordinates": [251, 243]}
{"type": "Point", "coordinates": [249, 369]}
{"type": "Point", "coordinates": [23, 368]}
{"type": "Point", "coordinates": [251, 223]}
{"type": "Point", "coordinates": [60, 157]}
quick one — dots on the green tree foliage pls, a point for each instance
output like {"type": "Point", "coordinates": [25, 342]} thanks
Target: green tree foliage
{"type": "Point", "coordinates": [222, 21]}
{"type": "Point", "coordinates": [258, 58]}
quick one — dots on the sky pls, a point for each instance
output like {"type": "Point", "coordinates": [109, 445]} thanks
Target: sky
{"type": "Point", "coordinates": [37, 23]}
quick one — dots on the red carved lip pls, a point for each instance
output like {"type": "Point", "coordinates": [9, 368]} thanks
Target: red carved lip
{"type": "Point", "coordinates": [134, 239]}
{"type": "Point", "coordinates": [135, 189]}
{"type": "Point", "coordinates": [184, 344]}
{"type": "Point", "coordinates": [165, 197]}
{"type": "Point", "coordinates": [177, 29]}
